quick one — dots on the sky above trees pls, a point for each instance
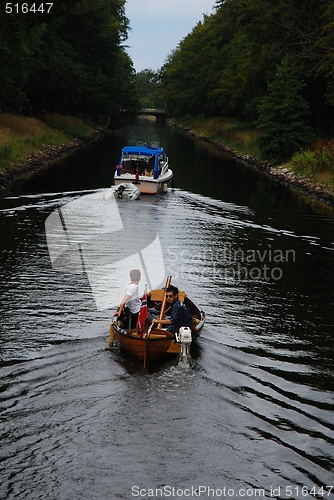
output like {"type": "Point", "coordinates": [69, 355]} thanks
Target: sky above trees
{"type": "Point", "coordinates": [158, 27]}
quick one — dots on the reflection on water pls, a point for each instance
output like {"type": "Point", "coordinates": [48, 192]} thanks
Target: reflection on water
{"type": "Point", "coordinates": [254, 410]}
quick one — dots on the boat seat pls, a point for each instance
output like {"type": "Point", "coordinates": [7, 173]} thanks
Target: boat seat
{"type": "Point", "coordinates": [158, 295]}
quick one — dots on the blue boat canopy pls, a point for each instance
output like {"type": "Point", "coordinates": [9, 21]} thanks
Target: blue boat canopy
{"type": "Point", "coordinates": [147, 151]}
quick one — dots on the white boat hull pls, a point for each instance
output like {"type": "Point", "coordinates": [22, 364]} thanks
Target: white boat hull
{"type": "Point", "coordinates": [145, 184]}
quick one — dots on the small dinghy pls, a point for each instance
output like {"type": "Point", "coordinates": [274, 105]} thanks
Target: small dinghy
{"type": "Point", "coordinates": [126, 190]}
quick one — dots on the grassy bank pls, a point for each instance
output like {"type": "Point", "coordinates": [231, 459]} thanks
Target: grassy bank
{"type": "Point", "coordinates": [237, 135]}
{"type": "Point", "coordinates": [22, 136]}
{"type": "Point", "coordinates": [316, 163]}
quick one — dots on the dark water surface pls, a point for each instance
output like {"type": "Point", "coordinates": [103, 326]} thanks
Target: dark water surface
{"type": "Point", "coordinates": [252, 415]}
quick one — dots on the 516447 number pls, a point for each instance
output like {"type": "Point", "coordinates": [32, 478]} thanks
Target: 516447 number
{"type": "Point", "coordinates": [24, 8]}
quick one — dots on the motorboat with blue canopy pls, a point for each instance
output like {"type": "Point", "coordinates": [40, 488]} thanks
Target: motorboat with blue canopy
{"type": "Point", "coordinates": [146, 166]}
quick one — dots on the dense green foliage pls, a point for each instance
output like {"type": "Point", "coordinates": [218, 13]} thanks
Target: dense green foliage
{"type": "Point", "coordinates": [70, 60]}
{"type": "Point", "coordinates": [147, 83]}
{"type": "Point", "coordinates": [283, 117]}
{"type": "Point", "coordinates": [223, 67]}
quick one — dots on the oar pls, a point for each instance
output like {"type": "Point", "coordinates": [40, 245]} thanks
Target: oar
{"type": "Point", "coordinates": [162, 311]}
{"type": "Point", "coordinates": [145, 352]}
{"type": "Point", "coordinates": [149, 331]}
{"type": "Point", "coordinates": [163, 306]}
{"type": "Point", "coordinates": [151, 326]}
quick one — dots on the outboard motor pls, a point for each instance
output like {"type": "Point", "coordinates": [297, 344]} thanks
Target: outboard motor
{"type": "Point", "coordinates": [185, 341]}
{"type": "Point", "coordinates": [120, 190]}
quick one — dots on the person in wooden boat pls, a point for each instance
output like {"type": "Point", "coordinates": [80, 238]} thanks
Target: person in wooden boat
{"type": "Point", "coordinates": [177, 311]}
{"type": "Point", "coordinates": [130, 304]}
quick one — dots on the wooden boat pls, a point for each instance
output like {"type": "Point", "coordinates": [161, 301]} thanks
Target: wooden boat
{"type": "Point", "coordinates": [158, 343]}
{"type": "Point", "coordinates": [145, 166]}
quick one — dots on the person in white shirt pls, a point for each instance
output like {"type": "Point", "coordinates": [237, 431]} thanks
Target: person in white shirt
{"type": "Point", "coordinates": [131, 302]}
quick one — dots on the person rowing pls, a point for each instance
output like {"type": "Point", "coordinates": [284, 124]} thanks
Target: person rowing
{"type": "Point", "coordinates": [179, 315]}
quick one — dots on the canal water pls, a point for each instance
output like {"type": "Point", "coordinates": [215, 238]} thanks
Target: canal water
{"type": "Point", "coordinates": [252, 412]}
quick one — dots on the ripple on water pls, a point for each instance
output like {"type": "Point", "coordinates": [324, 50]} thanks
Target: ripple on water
{"type": "Point", "coordinates": [254, 408]}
